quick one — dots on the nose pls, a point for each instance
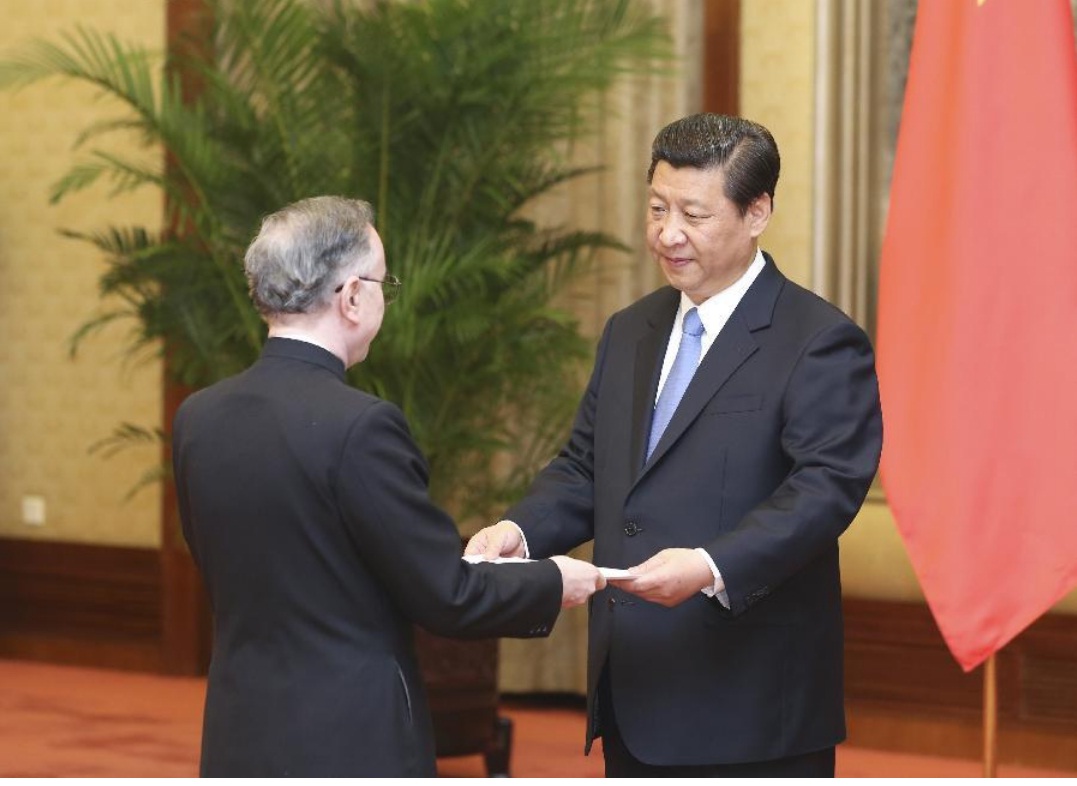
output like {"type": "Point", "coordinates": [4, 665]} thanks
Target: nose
{"type": "Point", "coordinates": [670, 232]}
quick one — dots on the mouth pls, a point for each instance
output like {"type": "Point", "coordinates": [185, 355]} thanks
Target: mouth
{"type": "Point", "coordinates": [676, 263]}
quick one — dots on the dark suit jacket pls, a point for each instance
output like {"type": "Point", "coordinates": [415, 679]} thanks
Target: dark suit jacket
{"type": "Point", "coordinates": [304, 502]}
{"type": "Point", "coordinates": [765, 463]}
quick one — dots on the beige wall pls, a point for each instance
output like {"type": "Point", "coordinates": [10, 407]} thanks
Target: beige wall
{"type": "Point", "coordinates": [52, 407]}
{"type": "Point", "coordinates": [777, 66]}
{"type": "Point", "coordinates": [776, 89]}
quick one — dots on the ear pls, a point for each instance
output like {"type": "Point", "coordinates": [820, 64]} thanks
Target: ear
{"type": "Point", "coordinates": [759, 213]}
{"type": "Point", "coordinates": [348, 302]}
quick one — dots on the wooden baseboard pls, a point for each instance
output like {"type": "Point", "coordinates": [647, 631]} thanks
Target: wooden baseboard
{"type": "Point", "coordinates": [905, 692]}
{"type": "Point", "coordinates": [959, 735]}
{"type": "Point", "coordinates": [82, 604]}
{"type": "Point", "coordinates": [101, 606]}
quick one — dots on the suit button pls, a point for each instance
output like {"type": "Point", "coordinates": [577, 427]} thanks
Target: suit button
{"type": "Point", "coordinates": [611, 602]}
{"type": "Point", "coordinates": [632, 529]}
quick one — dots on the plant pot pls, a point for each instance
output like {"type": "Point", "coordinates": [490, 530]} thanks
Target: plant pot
{"type": "Point", "coordinates": [461, 680]}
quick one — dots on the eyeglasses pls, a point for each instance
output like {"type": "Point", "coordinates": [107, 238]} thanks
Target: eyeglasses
{"type": "Point", "coordinates": [390, 286]}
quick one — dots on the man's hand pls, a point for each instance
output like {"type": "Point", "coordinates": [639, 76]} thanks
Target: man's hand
{"type": "Point", "coordinates": [669, 577]}
{"type": "Point", "coordinates": [579, 581]}
{"type": "Point", "coordinates": [503, 539]}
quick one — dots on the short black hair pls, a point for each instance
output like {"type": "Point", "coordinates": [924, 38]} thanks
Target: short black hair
{"type": "Point", "coordinates": [744, 149]}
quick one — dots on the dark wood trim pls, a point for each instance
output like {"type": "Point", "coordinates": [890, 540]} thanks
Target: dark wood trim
{"type": "Point", "coordinates": [186, 621]}
{"type": "Point", "coordinates": [94, 605]}
{"type": "Point", "coordinates": [82, 604]}
{"type": "Point", "coordinates": [188, 34]}
{"type": "Point", "coordinates": [905, 692]}
{"type": "Point", "coordinates": [185, 616]}
{"type": "Point", "coordinates": [721, 56]}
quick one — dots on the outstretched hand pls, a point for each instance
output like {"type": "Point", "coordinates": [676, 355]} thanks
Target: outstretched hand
{"type": "Point", "coordinates": [579, 581]}
{"type": "Point", "coordinates": [669, 577]}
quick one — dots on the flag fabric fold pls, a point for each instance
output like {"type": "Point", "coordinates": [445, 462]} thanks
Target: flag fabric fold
{"type": "Point", "coordinates": [977, 322]}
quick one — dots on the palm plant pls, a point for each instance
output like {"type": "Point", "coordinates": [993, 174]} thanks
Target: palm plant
{"type": "Point", "coordinates": [451, 116]}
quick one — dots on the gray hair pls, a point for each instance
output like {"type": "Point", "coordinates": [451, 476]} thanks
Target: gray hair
{"type": "Point", "coordinates": [302, 251]}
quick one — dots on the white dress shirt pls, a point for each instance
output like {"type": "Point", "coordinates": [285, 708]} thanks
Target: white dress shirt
{"type": "Point", "coordinates": [714, 312]}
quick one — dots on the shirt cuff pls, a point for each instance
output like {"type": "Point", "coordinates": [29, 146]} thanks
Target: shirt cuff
{"type": "Point", "coordinates": [718, 590]}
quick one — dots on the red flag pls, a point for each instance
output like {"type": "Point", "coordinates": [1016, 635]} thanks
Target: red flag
{"type": "Point", "coordinates": [977, 331]}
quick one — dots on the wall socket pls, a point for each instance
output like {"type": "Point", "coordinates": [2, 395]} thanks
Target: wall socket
{"type": "Point", "coordinates": [33, 510]}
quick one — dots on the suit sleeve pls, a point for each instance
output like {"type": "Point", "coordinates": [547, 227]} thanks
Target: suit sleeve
{"type": "Point", "coordinates": [414, 548]}
{"type": "Point", "coordinates": [832, 434]}
{"type": "Point", "coordinates": [558, 512]}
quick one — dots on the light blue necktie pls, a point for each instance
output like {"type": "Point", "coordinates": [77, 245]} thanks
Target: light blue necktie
{"type": "Point", "coordinates": [684, 366]}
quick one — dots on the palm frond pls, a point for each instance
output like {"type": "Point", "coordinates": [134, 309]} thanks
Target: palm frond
{"type": "Point", "coordinates": [130, 435]}
{"type": "Point", "coordinates": [125, 175]}
{"type": "Point", "coordinates": [452, 116]}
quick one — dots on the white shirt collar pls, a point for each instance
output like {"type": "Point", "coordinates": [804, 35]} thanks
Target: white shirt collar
{"type": "Point", "coordinates": [714, 312]}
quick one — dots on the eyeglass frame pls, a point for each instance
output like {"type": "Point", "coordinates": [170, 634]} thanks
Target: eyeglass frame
{"type": "Point", "coordinates": [390, 286]}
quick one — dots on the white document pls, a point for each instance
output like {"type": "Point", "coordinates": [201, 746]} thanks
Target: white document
{"type": "Point", "coordinates": [609, 573]}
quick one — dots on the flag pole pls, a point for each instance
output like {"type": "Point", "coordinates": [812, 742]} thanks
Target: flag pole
{"type": "Point", "coordinates": [990, 718]}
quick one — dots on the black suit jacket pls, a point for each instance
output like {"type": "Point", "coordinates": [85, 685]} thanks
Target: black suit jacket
{"type": "Point", "coordinates": [765, 463]}
{"type": "Point", "coordinates": [304, 502]}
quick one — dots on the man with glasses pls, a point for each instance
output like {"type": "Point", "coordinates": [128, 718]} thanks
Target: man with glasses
{"type": "Point", "coordinates": [304, 502]}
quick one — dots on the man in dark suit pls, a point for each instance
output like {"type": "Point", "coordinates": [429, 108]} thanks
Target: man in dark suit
{"type": "Point", "coordinates": [723, 655]}
{"type": "Point", "coordinates": [304, 502]}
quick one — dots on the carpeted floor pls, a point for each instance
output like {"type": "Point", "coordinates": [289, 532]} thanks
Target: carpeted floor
{"type": "Point", "coordinates": [61, 721]}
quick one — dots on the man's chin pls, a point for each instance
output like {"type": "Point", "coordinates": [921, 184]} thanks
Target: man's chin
{"type": "Point", "coordinates": [677, 278]}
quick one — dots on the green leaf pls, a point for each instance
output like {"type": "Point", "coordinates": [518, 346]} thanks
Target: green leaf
{"type": "Point", "coordinates": [452, 117]}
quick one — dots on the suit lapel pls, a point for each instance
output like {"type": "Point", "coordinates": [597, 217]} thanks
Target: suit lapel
{"type": "Point", "coordinates": [734, 345]}
{"type": "Point", "coordinates": [650, 351]}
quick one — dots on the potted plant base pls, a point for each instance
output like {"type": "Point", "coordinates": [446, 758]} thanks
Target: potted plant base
{"type": "Point", "coordinates": [461, 681]}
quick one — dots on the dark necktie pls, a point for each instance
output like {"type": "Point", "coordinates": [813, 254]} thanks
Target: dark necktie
{"type": "Point", "coordinates": [680, 374]}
